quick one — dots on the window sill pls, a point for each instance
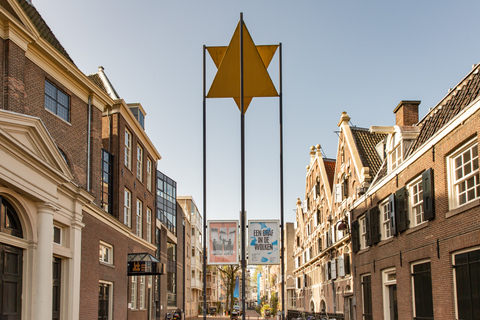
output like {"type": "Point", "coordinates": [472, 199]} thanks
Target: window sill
{"type": "Point", "coordinates": [384, 242]}
{"type": "Point", "coordinates": [419, 227]}
{"type": "Point", "coordinates": [463, 208]}
{"type": "Point", "coordinates": [107, 264]}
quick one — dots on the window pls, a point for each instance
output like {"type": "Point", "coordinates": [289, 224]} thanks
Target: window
{"type": "Point", "coordinates": [128, 149]}
{"type": "Point", "coordinates": [105, 301]}
{"type": "Point", "coordinates": [367, 297]}
{"type": "Point", "coordinates": [172, 274]}
{"type": "Point", "coordinates": [139, 163]}
{"type": "Point", "coordinates": [363, 233]}
{"type": "Point", "coordinates": [463, 175]}
{"type": "Point", "coordinates": [139, 218]}
{"type": "Point", "coordinates": [390, 306]}
{"type": "Point", "coordinates": [142, 292]}
{"type": "Point", "coordinates": [57, 101]}
{"type": "Point", "coordinates": [133, 292]}
{"type": "Point", "coordinates": [396, 156]}
{"type": "Point", "coordinates": [56, 288]}
{"type": "Point", "coordinates": [106, 253]}
{"type": "Point", "coordinates": [57, 235]}
{"type": "Point", "coordinates": [149, 174]}
{"type": "Point", "coordinates": [385, 214]}
{"type": "Point", "coordinates": [415, 190]}
{"type": "Point", "coordinates": [467, 281]}
{"type": "Point", "coordinates": [127, 208]}
{"type": "Point", "coordinates": [149, 225]}
{"type": "Point", "coordinates": [422, 291]}
{"type": "Point", "coordinates": [107, 181]}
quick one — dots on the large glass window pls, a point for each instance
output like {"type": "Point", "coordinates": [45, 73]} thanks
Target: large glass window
{"type": "Point", "coordinates": [107, 181]}
{"type": "Point", "coordinates": [57, 101]}
{"type": "Point", "coordinates": [464, 175]}
{"type": "Point", "coordinates": [127, 208]}
{"type": "Point", "coordinates": [166, 202]}
{"type": "Point", "coordinates": [128, 149]}
{"type": "Point", "coordinates": [133, 292]}
{"type": "Point", "coordinates": [139, 230]}
{"type": "Point", "coordinates": [386, 223]}
{"type": "Point", "coordinates": [422, 291]}
{"type": "Point", "coordinates": [467, 281]}
{"type": "Point", "coordinates": [142, 292]}
{"type": "Point", "coordinates": [415, 191]}
{"type": "Point", "coordinates": [139, 163]}
{"type": "Point", "coordinates": [171, 274]}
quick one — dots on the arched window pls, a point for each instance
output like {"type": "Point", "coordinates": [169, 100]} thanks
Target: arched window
{"type": "Point", "coordinates": [10, 223]}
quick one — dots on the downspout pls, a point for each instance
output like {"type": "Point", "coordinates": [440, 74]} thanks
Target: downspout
{"type": "Point", "coordinates": [89, 124]}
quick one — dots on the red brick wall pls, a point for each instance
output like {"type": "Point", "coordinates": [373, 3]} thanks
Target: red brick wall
{"type": "Point", "coordinates": [417, 243]}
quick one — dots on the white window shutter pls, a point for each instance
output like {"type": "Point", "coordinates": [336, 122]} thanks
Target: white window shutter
{"type": "Point", "coordinates": [341, 266]}
{"type": "Point", "coordinates": [315, 192]}
{"type": "Point", "coordinates": [337, 188]}
{"type": "Point", "coordinates": [334, 269]}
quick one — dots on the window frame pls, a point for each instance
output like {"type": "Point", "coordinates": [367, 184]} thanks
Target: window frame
{"type": "Point", "coordinates": [127, 208]}
{"type": "Point", "coordinates": [128, 149]}
{"type": "Point", "coordinates": [362, 222]}
{"type": "Point", "coordinates": [149, 224]}
{"type": "Point", "coordinates": [385, 209]}
{"type": "Point", "coordinates": [110, 297]}
{"type": "Point", "coordinates": [412, 204]}
{"type": "Point", "coordinates": [56, 101]}
{"type": "Point", "coordinates": [109, 249]}
{"type": "Point", "coordinates": [133, 292]}
{"type": "Point", "coordinates": [451, 172]}
{"type": "Point", "coordinates": [149, 174]}
{"type": "Point", "coordinates": [386, 282]}
{"type": "Point", "coordinates": [421, 286]}
{"type": "Point", "coordinates": [455, 280]}
{"type": "Point", "coordinates": [362, 283]}
{"type": "Point", "coordinates": [139, 163]}
{"type": "Point", "coordinates": [139, 218]}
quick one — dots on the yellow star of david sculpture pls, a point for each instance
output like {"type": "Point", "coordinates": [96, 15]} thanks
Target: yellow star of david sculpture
{"type": "Point", "coordinates": [256, 80]}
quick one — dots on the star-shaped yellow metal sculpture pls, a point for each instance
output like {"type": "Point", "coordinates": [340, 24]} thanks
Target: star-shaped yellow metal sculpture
{"type": "Point", "coordinates": [256, 80]}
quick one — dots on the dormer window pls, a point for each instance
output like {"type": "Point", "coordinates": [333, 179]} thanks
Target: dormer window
{"type": "Point", "coordinates": [396, 156]}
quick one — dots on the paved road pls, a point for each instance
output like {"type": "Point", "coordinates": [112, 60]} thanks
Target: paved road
{"type": "Point", "coordinates": [249, 315]}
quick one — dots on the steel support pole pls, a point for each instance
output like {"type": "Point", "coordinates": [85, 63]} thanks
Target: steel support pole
{"type": "Point", "coordinates": [282, 222]}
{"type": "Point", "coordinates": [204, 189]}
{"type": "Point", "coordinates": [242, 124]}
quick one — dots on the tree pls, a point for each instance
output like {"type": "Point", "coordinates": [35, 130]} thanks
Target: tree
{"type": "Point", "coordinates": [228, 274]}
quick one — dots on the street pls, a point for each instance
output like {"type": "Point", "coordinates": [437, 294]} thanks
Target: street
{"type": "Point", "coordinates": [249, 315]}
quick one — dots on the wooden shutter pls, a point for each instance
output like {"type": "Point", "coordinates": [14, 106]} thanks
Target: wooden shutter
{"type": "Point", "coordinates": [341, 266]}
{"type": "Point", "coordinates": [428, 195]}
{"type": "Point", "coordinates": [337, 188]}
{"type": "Point", "coordinates": [375, 225]}
{"type": "Point", "coordinates": [333, 265]}
{"type": "Point", "coordinates": [401, 209]}
{"type": "Point", "coordinates": [391, 208]}
{"type": "Point", "coordinates": [368, 233]}
{"type": "Point", "coordinates": [355, 236]}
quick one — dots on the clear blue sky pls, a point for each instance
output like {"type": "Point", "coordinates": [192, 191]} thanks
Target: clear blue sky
{"type": "Point", "coordinates": [362, 57]}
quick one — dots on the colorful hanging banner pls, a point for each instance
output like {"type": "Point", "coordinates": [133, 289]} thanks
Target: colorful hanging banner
{"type": "Point", "coordinates": [222, 242]}
{"type": "Point", "coordinates": [263, 242]}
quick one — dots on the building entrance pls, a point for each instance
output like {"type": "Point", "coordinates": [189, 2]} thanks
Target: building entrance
{"type": "Point", "coordinates": [10, 282]}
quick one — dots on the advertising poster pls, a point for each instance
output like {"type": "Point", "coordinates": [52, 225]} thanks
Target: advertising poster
{"type": "Point", "coordinates": [222, 242]}
{"type": "Point", "coordinates": [263, 242]}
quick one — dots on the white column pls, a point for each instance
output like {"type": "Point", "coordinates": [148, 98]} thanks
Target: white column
{"type": "Point", "coordinates": [74, 270]}
{"type": "Point", "coordinates": [43, 263]}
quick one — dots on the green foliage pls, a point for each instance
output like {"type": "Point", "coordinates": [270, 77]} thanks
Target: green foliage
{"type": "Point", "coordinates": [274, 303]}
{"type": "Point", "coordinates": [265, 307]}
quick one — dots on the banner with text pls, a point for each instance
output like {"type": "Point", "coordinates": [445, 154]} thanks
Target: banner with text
{"type": "Point", "coordinates": [263, 242]}
{"type": "Point", "coordinates": [222, 242]}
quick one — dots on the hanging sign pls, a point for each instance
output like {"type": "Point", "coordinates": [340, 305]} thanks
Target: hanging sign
{"type": "Point", "coordinates": [222, 242]}
{"type": "Point", "coordinates": [263, 242]}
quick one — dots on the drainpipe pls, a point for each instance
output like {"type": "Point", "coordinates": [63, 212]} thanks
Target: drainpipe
{"type": "Point", "coordinates": [89, 124]}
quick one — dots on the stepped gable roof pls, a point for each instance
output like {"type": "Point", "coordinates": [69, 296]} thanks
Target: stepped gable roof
{"type": "Point", "coordinates": [330, 168]}
{"type": "Point", "coordinates": [366, 142]}
{"type": "Point", "coordinates": [454, 102]}
{"type": "Point", "coordinates": [43, 28]}
{"type": "Point", "coordinates": [96, 79]}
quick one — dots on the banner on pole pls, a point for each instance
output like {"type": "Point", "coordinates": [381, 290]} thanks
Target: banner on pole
{"type": "Point", "coordinates": [236, 290]}
{"type": "Point", "coordinates": [222, 242]}
{"type": "Point", "coordinates": [263, 246]}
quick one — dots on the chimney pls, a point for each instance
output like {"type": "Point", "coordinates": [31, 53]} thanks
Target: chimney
{"type": "Point", "coordinates": [406, 113]}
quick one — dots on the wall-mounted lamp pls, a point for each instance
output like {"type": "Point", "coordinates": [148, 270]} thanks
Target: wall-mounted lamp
{"type": "Point", "coordinates": [343, 226]}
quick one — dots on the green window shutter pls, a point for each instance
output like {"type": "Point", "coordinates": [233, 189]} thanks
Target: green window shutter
{"type": "Point", "coordinates": [375, 225]}
{"type": "Point", "coordinates": [428, 195]}
{"type": "Point", "coordinates": [368, 222]}
{"type": "Point", "coordinates": [355, 236]}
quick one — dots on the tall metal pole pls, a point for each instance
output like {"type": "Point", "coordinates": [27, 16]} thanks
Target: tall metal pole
{"type": "Point", "coordinates": [242, 124]}
{"type": "Point", "coordinates": [204, 188]}
{"type": "Point", "coordinates": [282, 228]}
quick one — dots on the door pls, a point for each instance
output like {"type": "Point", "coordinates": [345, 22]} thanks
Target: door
{"type": "Point", "coordinates": [392, 292]}
{"type": "Point", "coordinates": [11, 282]}
{"type": "Point", "coordinates": [103, 301]}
